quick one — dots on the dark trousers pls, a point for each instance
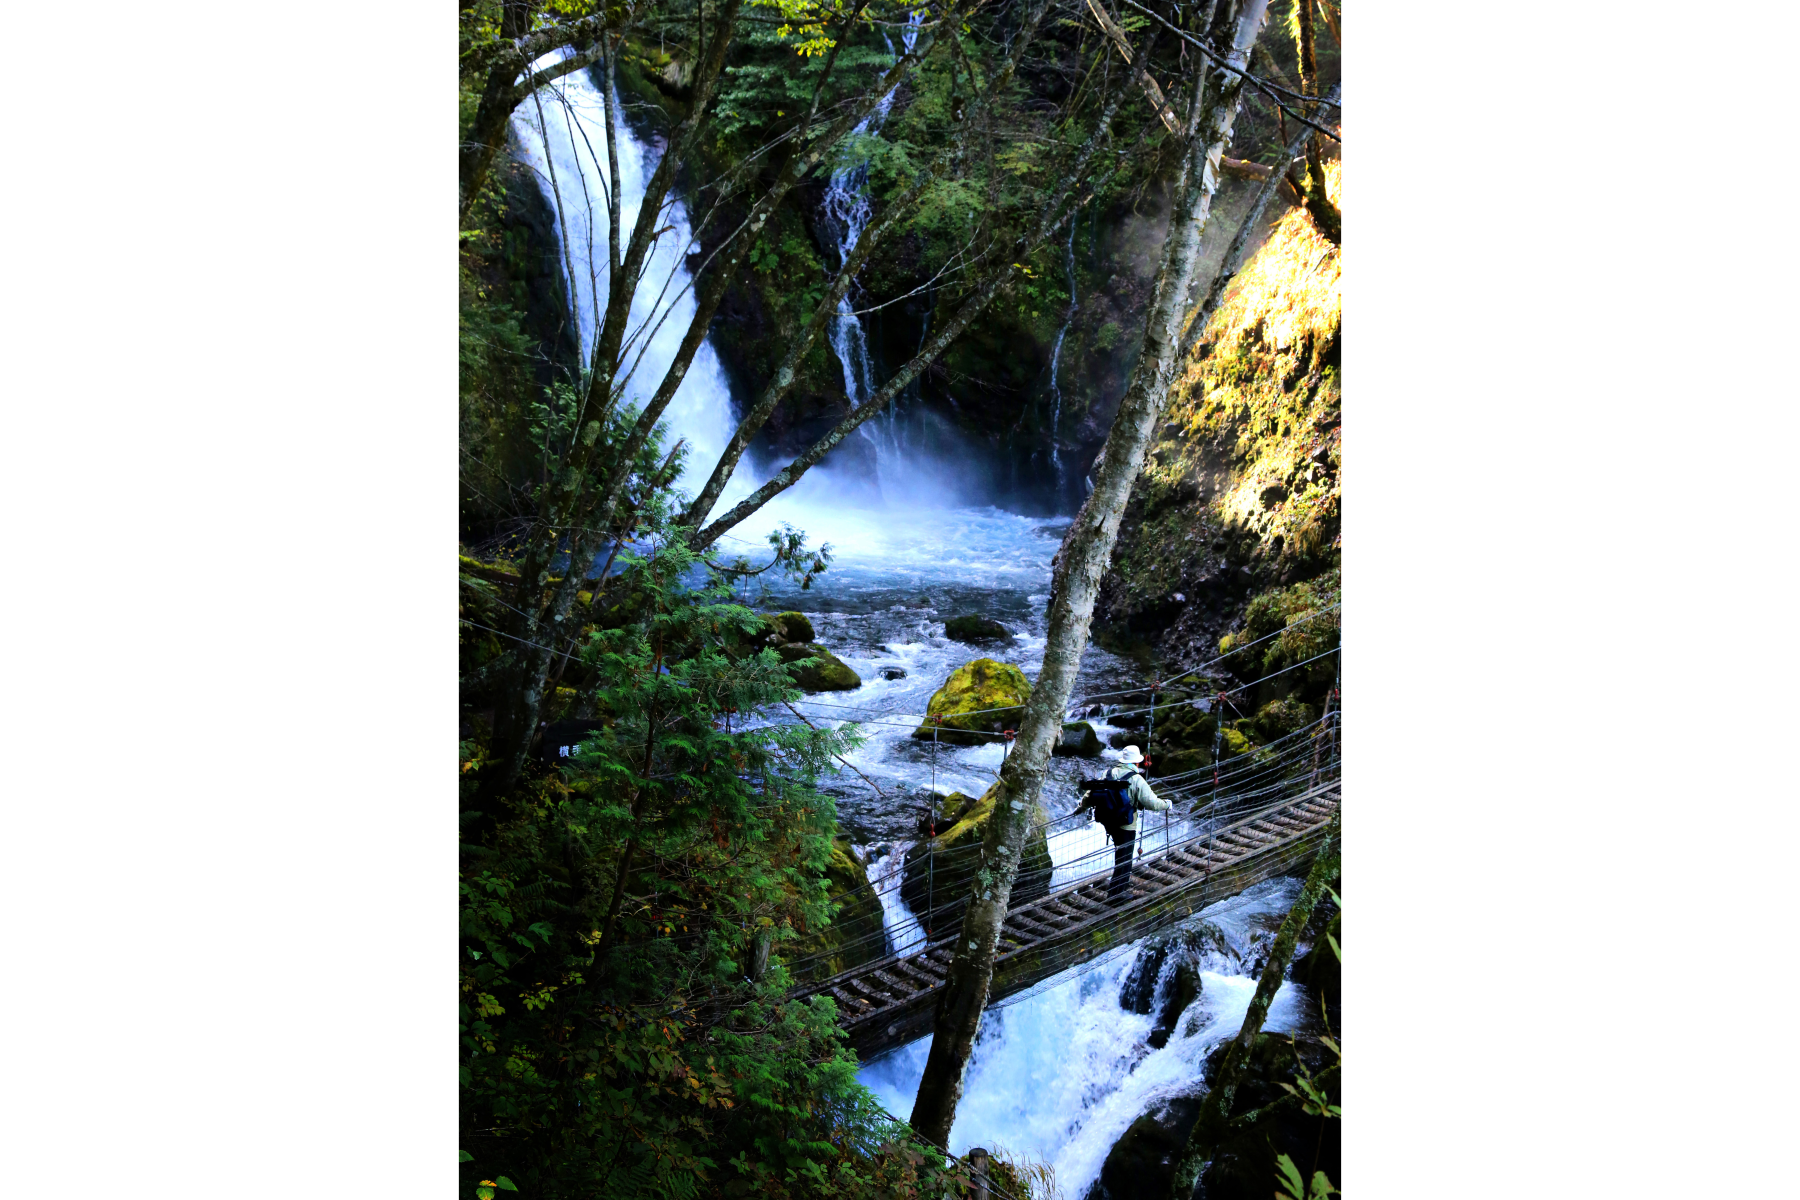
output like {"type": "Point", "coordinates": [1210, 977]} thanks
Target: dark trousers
{"type": "Point", "coordinates": [1124, 843]}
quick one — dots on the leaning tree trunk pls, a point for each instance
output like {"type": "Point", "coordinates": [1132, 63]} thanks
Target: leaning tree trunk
{"type": "Point", "coordinates": [1217, 1106]}
{"type": "Point", "coordinates": [1082, 561]}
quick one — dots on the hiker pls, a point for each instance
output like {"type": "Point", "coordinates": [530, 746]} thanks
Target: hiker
{"type": "Point", "coordinates": [1116, 798]}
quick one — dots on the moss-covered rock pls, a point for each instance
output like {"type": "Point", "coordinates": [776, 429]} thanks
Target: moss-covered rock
{"type": "Point", "coordinates": [790, 626]}
{"type": "Point", "coordinates": [1078, 740]}
{"type": "Point", "coordinates": [971, 627]}
{"type": "Point", "coordinates": [947, 811]}
{"type": "Point", "coordinates": [821, 670]}
{"type": "Point", "coordinates": [1278, 718]}
{"type": "Point", "coordinates": [1183, 740]}
{"type": "Point", "coordinates": [940, 871]}
{"type": "Point", "coordinates": [980, 697]}
{"type": "Point", "coordinates": [855, 935]}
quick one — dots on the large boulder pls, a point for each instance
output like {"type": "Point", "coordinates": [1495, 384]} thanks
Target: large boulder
{"type": "Point", "coordinates": [1244, 1167]}
{"type": "Point", "coordinates": [1142, 1161]}
{"type": "Point", "coordinates": [789, 626]}
{"type": "Point", "coordinates": [856, 934]}
{"type": "Point", "coordinates": [973, 628]}
{"type": "Point", "coordinates": [1183, 740]}
{"type": "Point", "coordinates": [980, 697]}
{"type": "Point", "coordinates": [940, 871]}
{"type": "Point", "coordinates": [822, 671]}
{"type": "Point", "coordinates": [1078, 740]}
{"type": "Point", "coordinates": [1165, 978]}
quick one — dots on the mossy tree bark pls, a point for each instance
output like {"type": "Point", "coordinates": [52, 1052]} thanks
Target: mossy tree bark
{"type": "Point", "coordinates": [1216, 1108]}
{"type": "Point", "coordinates": [1312, 189]}
{"type": "Point", "coordinates": [1080, 564]}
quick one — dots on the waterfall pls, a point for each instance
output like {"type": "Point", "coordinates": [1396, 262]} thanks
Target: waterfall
{"type": "Point", "coordinates": [846, 211]}
{"type": "Point", "coordinates": [1056, 361]}
{"type": "Point", "coordinates": [561, 136]}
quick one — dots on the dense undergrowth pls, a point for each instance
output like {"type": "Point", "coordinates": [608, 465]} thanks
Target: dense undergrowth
{"type": "Point", "coordinates": [625, 1024]}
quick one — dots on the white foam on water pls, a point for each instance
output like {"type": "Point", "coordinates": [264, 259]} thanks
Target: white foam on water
{"type": "Point", "coordinates": [1061, 1074]}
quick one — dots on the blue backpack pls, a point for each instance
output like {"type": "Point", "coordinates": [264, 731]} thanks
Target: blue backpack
{"type": "Point", "coordinates": [1111, 799]}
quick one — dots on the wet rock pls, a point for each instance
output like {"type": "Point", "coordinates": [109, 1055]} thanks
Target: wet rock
{"type": "Point", "coordinates": [981, 698]}
{"type": "Point", "coordinates": [973, 628]}
{"type": "Point", "coordinates": [825, 673]}
{"type": "Point", "coordinates": [1244, 1166]}
{"type": "Point", "coordinates": [1078, 740]}
{"type": "Point", "coordinates": [940, 872]}
{"type": "Point", "coordinates": [1154, 985]}
{"type": "Point", "coordinates": [1319, 969]}
{"type": "Point", "coordinates": [790, 626]}
{"type": "Point", "coordinates": [893, 673]}
{"type": "Point", "coordinates": [1142, 1161]}
{"type": "Point", "coordinates": [1184, 989]}
{"type": "Point", "coordinates": [1183, 741]}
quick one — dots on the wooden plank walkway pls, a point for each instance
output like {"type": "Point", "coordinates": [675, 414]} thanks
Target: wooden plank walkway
{"type": "Point", "coordinates": [888, 1002]}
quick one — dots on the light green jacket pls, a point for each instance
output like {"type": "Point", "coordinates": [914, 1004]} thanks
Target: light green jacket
{"type": "Point", "coordinates": [1141, 795]}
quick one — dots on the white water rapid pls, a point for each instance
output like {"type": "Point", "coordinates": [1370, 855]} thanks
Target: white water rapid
{"type": "Point", "coordinates": [1060, 1073]}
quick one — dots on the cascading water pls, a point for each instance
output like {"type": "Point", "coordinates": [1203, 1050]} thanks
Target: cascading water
{"type": "Point", "coordinates": [1056, 462]}
{"type": "Point", "coordinates": [1060, 1073]}
{"type": "Point", "coordinates": [561, 134]}
{"type": "Point", "coordinates": [846, 211]}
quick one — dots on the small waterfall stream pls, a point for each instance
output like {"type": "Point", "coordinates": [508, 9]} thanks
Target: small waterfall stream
{"type": "Point", "coordinates": [846, 213]}
{"type": "Point", "coordinates": [1056, 462]}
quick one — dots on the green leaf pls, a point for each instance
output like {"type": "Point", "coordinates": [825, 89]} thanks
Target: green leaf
{"type": "Point", "coordinates": [505, 1184]}
{"type": "Point", "coordinates": [1334, 947]}
{"type": "Point", "coordinates": [464, 1156]}
{"type": "Point", "coordinates": [1321, 1186]}
{"type": "Point", "coordinates": [1292, 1181]}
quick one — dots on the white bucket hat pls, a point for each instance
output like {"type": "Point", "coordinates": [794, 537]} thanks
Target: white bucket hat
{"type": "Point", "coordinates": [1131, 754]}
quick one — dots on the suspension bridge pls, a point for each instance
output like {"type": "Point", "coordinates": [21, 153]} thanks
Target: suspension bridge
{"type": "Point", "coordinates": [1253, 817]}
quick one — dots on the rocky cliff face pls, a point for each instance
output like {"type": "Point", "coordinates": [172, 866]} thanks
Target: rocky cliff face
{"type": "Point", "coordinates": [1240, 492]}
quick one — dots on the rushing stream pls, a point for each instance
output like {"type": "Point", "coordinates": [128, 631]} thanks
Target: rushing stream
{"type": "Point", "coordinates": [1060, 1073]}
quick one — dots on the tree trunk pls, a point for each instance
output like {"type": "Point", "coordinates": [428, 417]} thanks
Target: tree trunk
{"type": "Point", "coordinates": [1233, 260]}
{"type": "Point", "coordinates": [1082, 561]}
{"type": "Point", "coordinates": [1324, 213]}
{"type": "Point", "coordinates": [1217, 1106]}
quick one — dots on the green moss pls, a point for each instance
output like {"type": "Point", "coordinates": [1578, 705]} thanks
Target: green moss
{"type": "Point", "coordinates": [1278, 718]}
{"type": "Point", "coordinates": [790, 626]}
{"type": "Point", "coordinates": [817, 669]}
{"type": "Point", "coordinates": [854, 935]}
{"type": "Point", "coordinates": [940, 872]}
{"type": "Point", "coordinates": [980, 697]}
